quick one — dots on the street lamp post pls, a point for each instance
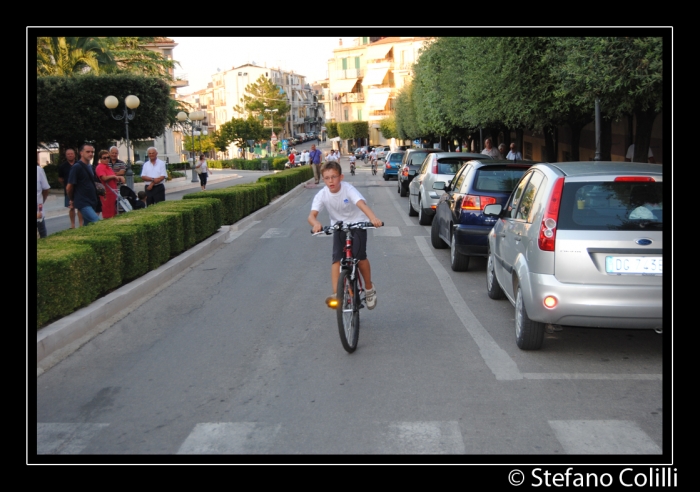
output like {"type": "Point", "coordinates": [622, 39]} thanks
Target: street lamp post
{"type": "Point", "coordinates": [183, 118]}
{"type": "Point", "coordinates": [131, 102]}
{"type": "Point", "coordinates": [272, 126]}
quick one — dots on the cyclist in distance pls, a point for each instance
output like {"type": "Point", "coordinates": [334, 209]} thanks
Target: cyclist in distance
{"type": "Point", "coordinates": [346, 204]}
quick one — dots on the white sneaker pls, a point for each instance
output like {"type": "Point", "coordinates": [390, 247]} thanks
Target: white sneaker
{"type": "Point", "coordinates": [371, 296]}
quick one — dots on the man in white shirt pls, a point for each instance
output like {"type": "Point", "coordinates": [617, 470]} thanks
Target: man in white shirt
{"type": "Point", "coordinates": [630, 155]}
{"type": "Point", "coordinates": [154, 174]}
{"type": "Point", "coordinates": [490, 150]}
{"type": "Point", "coordinates": [42, 192]}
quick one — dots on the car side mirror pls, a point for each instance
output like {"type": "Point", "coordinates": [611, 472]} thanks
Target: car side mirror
{"type": "Point", "coordinates": [493, 210]}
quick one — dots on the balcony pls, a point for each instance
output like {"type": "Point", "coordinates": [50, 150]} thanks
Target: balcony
{"type": "Point", "coordinates": [353, 97]}
{"type": "Point", "coordinates": [350, 73]}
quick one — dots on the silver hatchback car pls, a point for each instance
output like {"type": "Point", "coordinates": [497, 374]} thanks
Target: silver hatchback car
{"type": "Point", "coordinates": [580, 244]}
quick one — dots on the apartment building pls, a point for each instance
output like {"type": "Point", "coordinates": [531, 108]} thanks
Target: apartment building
{"type": "Point", "coordinates": [365, 77]}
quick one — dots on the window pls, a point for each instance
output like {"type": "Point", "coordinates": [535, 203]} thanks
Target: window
{"type": "Point", "coordinates": [359, 115]}
{"type": "Point", "coordinates": [459, 180]}
{"type": "Point", "coordinates": [357, 62]}
{"type": "Point", "coordinates": [427, 162]}
{"type": "Point", "coordinates": [345, 63]}
{"type": "Point", "coordinates": [527, 208]}
{"type": "Point", "coordinates": [512, 207]}
{"type": "Point", "coordinates": [345, 113]}
{"type": "Point", "coordinates": [528, 150]}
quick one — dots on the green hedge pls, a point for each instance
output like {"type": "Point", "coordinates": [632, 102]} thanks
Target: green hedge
{"type": "Point", "coordinates": [77, 266]}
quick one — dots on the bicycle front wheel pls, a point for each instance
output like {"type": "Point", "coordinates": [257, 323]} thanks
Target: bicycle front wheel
{"type": "Point", "coordinates": [348, 311]}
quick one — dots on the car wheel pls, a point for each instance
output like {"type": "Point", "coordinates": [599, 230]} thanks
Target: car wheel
{"type": "Point", "coordinates": [403, 190]}
{"type": "Point", "coordinates": [435, 238]}
{"type": "Point", "coordinates": [398, 189]}
{"type": "Point", "coordinates": [458, 261]}
{"type": "Point", "coordinates": [529, 334]}
{"type": "Point", "coordinates": [386, 178]}
{"type": "Point", "coordinates": [492, 286]}
{"type": "Point", "coordinates": [423, 217]}
{"type": "Point", "coordinates": [411, 211]}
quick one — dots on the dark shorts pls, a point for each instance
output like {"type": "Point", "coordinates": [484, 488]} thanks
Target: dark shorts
{"type": "Point", "coordinates": [359, 244]}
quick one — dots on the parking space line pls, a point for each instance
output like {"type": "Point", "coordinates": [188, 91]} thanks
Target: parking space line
{"type": "Point", "coordinates": [500, 363]}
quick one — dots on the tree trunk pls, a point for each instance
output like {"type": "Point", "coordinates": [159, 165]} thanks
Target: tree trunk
{"type": "Point", "coordinates": [550, 144]}
{"type": "Point", "coordinates": [606, 140]}
{"type": "Point", "coordinates": [642, 137]}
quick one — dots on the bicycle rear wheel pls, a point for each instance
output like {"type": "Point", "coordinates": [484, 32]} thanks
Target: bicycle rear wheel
{"type": "Point", "coordinates": [348, 311]}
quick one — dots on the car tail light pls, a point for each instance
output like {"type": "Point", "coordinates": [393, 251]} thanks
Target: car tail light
{"type": "Point", "coordinates": [476, 202]}
{"type": "Point", "coordinates": [548, 228]}
{"type": "Point", "coordinates": [388, 166]}
{"type": "Point", "coordinates": [434, 168]}
{"type": "Point", "coordinates": [404, 171]}
{"type": "Point", "coordinates": [635, 178]}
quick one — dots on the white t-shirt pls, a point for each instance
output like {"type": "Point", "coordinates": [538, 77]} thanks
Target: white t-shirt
{"type": "Point", "coordinates": [41, 184]}
{"type": "Point", "coordinates": [341, 205]}
{"type": "Point", "coordinates": [156, 170]}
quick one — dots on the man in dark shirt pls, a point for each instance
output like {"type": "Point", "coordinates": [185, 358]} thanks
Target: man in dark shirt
{"type": "Point", "coordinates": [81, 186]}
{"type": "Point", "coordinates": [63, 172]}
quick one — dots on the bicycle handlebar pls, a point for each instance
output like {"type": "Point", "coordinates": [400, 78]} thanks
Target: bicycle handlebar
{"type": "Point", "coordinates": [339, 226]}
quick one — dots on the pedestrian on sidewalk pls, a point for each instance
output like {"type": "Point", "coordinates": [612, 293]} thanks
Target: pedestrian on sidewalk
{"type": "Point", "coordinates": [42, 192]}
{"type": "Point", "coordinates": [154, 173]}
{"type": "Point", "coordinates": [315, 162]}
{"type": "Point", "coordinates": [117, 165]}
{"type": "Point", "coordinates": [110, 180]}
{"type": "Point", "coordinates": [63, 172]}
{"type": "Point", "coordinates": [81, 186]}
{"type": "Point", "coordinates": [203, 171]}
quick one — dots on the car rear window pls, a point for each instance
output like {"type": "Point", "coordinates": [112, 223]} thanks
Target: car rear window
{"type": "Point", "coordinates": [498, 178]}
{"type": "Point", "coordinates": [396, 157]}
{"type": "Point", "coordinates": [450, 165]}
{"type": "Point", "coordinates": [416, 158]}
{"type": "Point", "coordinates": [623, 206]}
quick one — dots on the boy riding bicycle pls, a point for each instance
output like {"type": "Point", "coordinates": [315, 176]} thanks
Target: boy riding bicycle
{"type": "Point", "coordinates": [346, 204]}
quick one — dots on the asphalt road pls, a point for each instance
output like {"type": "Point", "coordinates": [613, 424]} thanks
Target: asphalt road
{"type": "Point", "coordinates": [238, 359]}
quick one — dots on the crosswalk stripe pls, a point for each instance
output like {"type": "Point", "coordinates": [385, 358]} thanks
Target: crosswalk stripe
{"type": "Point", "coordinates": [603, 437]}
{"type": "Point", "coordinates": [64, 438]}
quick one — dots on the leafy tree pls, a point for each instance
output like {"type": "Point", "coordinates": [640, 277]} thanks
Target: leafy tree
{"type": "Point", "coordinates": [332, 129]}
{"type": "Point", "coordinates": [71, 110]}
{"type": "Point", "coordinates": [406, 124]}
{"type": "Point", "coordinates": [624, 73]}
{"type": "Point", "coordinates": [353, 130]}
{"type": "Point", "coordinates": [388, 127]}
{"type": "Point", "coordinates": [261, 95]}
{"type": "Point", "coordinates": [239, 130]}
{"type": "Point", "coordinates": [131, 55]}
{"type": "Point", "coordinates": [68, 56]}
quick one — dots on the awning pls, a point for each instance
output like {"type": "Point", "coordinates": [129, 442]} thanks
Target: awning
{"type": "Point", "coordinates": [377, 100]}
{"type": "Point", "coordinates": [377, 52]}
{"type": "Point", "coordinates": [343, 85]}
{"type": "Point", "coordinates": [335, 139]}
{"type": "Point", "coordinates": [302, 96]}
{"type": "Point", "coordinates": [375, 76]}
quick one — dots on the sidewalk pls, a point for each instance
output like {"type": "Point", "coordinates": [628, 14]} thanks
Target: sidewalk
{"type": "Point", "coordinates": [54, 206]}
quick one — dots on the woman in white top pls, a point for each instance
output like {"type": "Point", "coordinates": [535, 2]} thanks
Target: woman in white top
{"type": "Point", "coordinates": [203, 171]}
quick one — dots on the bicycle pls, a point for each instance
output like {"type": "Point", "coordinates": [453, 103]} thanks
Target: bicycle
{"type": "Point", "coordinates": [350, 291]}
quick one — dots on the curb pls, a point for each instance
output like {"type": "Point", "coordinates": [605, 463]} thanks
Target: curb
{"type": "Point", "coordinates": [79, 325]}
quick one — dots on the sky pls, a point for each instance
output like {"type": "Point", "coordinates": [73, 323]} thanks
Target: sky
{"type": "Point", "coordinates": [200, 57]}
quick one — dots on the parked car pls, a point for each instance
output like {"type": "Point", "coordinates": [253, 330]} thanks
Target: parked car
{"type": "Point", "coordinates": [437, 166]}
{"type": "Point", "coordinates": [412, 160]}
{"type": "Point", "coordinates": [391, 165]}
{"type": "Point", "coordinates": [359, 153]}
{"type": "Point", "coordinates": [382, 151]}
{"type": "Point", "coordinates": [581, 244]}
{"type": "Point", "coordinates": [459, 220]}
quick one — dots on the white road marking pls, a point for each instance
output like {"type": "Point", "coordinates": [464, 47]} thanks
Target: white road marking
{"type": "Point", "coordinates": [230, 438]}
{"type": "Point", "coordinates": [421, 438]}
{"type": "Point", "coordinates": [275, 233]}
{"type": "Point", "coordinates": [387, 231]}
{"type": "Point", "coordinates": [497, 359]}
{"type": "Point", "coordinates": [62, 438]}
{"type": "Point", "coordinates": [237, 233]}
{"type": "Point", "coordinates": [500, 363]}
{"type": "Point", "coordinates": [603, 437]}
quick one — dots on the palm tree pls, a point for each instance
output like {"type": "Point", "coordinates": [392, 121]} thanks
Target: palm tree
{"type": "Point", "coordinates": [67, 56]}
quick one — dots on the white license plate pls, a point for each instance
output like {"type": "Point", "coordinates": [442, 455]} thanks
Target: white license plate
{"type": "Point", "coordinates": [634, 265]}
